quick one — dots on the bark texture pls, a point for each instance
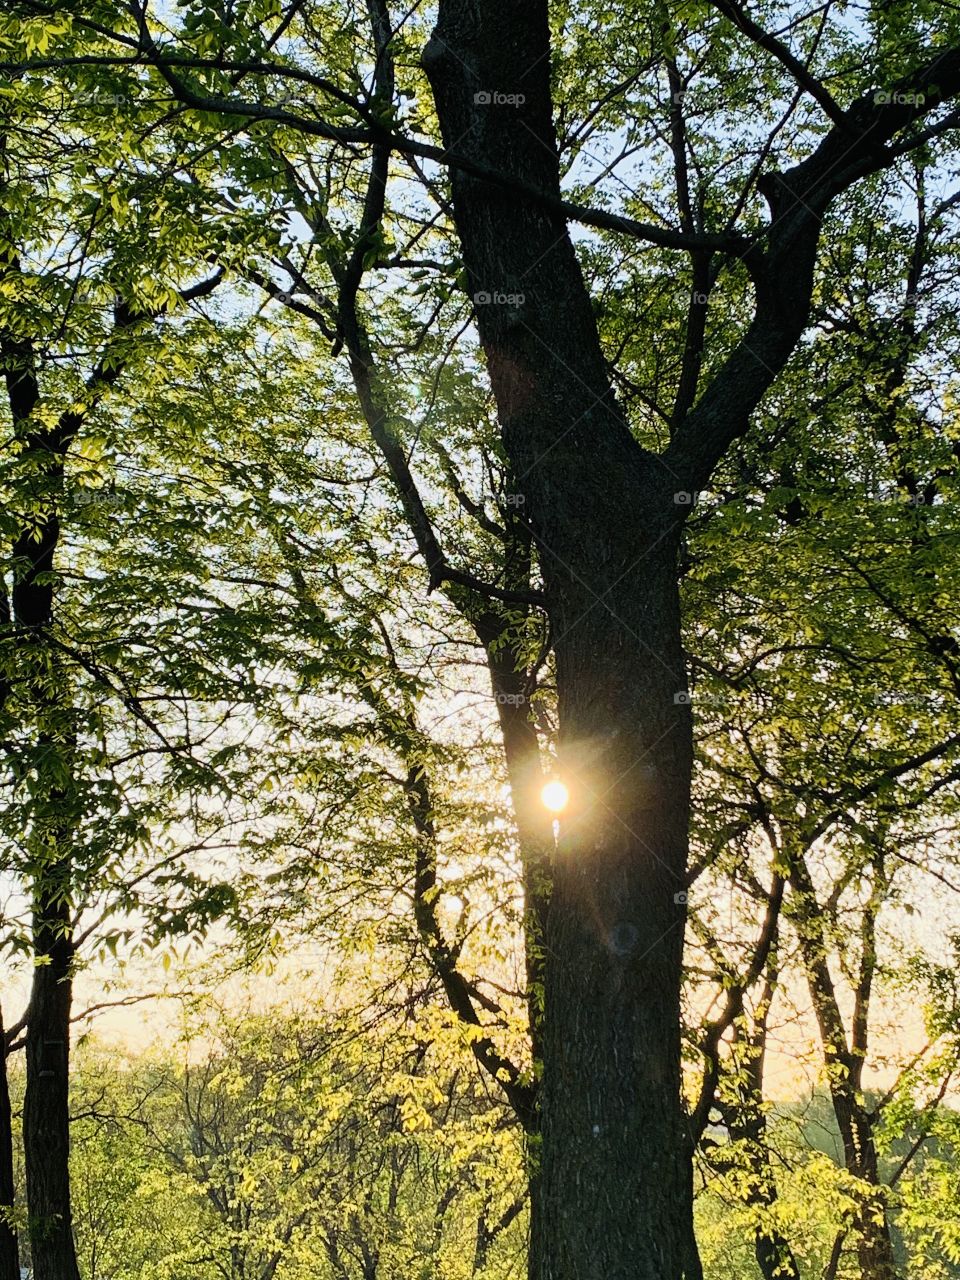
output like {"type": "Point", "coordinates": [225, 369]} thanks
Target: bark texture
{"type": "Point", "coordinates": [9, 1248]}
{"type": "Point", "coordinates": [614, 1187]}
{"type": "Point", "coordinates": [846, 1057]}
{"type": "Point", "coordinates": [46, 1115]}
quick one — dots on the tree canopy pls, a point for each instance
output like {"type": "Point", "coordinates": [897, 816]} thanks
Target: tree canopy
{"type": "Point", "coordinates": [406, 409]}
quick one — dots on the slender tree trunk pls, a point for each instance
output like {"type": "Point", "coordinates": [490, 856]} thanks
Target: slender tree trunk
{"type": "Point", "coordinates": [856, 1124]}
{"type": "Point", "coordinates": [46, 1139]}
{"type": "Point", "coordinates": [9, 1250]}
{"type": "Point", "coordinates": [488, 1231]}
{"type": "Point", "coordinates": [510, 687]}
{"type": "Point", "coordinates": [46, 1114]}
{"type": "Point", "coordinates": [874, 1242]}
{"type": "Point", "coordinates": [874, 1246]}
{"type": "Point", "coordinates": [56, 805]}
{"type": "Point", "coordinates": [521, 747]}
{"type": "Point", "coordinates": [615, 1186]}
{"type": "Point", "coordinates": [747, 1123]}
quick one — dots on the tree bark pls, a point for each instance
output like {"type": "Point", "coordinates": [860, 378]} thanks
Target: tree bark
{"type": "Point", "coordinates": [613, 1132]}
{"type": "Point", "coordinates": [746, 1122]}
{"type": "Point", "coordinates": [9, 1247]}
{"type": "Point", "coordinates": [46, 1113]}
{"type": "Point", "coordinates": [875, 1252]}
{"type": "Point", "coordinates": [614, 1192]}
{"type": "Point", "coordinates": [521, 750]}
{"type": "Point", "coordinates": [46, 1118]}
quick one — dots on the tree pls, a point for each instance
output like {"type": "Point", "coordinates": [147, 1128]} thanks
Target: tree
{"type": "Point", "coordinates": [290, 1145]}
{"type": "Point", "coordinates": [615, 1191]}
{"type": "Point", "coordinates": [9, 1247]}
{"type": "Point", "coordinates": [842, 714]}
{"type": "Point", "coordinates": [75, 818]}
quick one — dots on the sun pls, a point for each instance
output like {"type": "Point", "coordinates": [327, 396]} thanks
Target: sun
{"type": "Point", "coordinates": [555, 796]}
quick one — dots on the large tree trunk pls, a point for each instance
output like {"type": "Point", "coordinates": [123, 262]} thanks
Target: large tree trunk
{"type": "Point", "coordinates": [614, 1193]}
{"type": "Point", "coordinates": [46, 1114]}
{"type": "Point", "coordinates": [9, 1251]}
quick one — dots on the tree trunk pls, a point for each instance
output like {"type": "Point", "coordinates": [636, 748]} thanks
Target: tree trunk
{"type": "Point", "coordinates": [510, 687]}
{"type": "Point", "coordinates": [521, 747]}
{"type": "Point", "coordinates": [46, 1114]}
{"type": "Point", "coordinates": [875, 1254]}
{"type": "Point", "coordinates": [614, 1192]}
{"type": "Point", "coordinates": [616, 1198]}
{"type": "Point", "coordinates": [856, 1124]}
{"type": "Point", "coordinates": [746, 1123]}
{"type": "Point", "coordinates": [874, 1243]}
{"type": "Point", "coordinates": [55, 803]}
{"type": "Point", "coordinates": [9, 1250]}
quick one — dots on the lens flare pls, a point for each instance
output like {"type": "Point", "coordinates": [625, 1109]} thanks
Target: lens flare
{"type": "Point", "coordinates": [555, 796]}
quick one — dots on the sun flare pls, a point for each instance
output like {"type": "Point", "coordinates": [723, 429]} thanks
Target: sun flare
{"type": "Point", "coordinates": [555, 796]}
